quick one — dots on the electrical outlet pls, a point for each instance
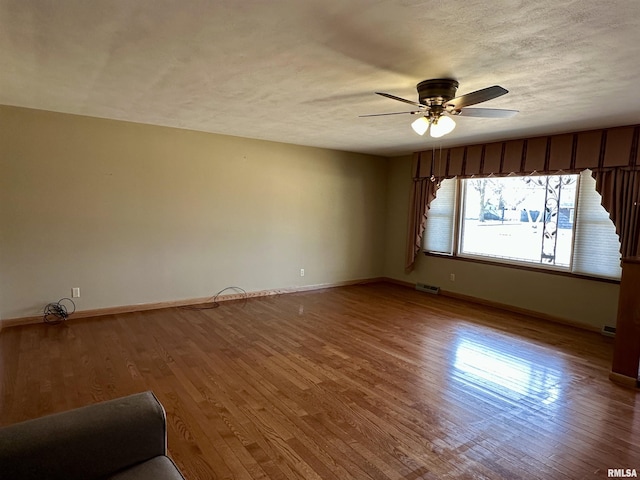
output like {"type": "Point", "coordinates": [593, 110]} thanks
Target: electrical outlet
{"type": "Point", "coordinates": [302, 272]}
{"type": "Point", "coordinates": [75, 292]}
{"type": "Point", "coordinates": [452, 277]}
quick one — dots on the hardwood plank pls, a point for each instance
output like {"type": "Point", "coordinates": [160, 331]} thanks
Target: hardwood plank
{"type": "Point", "coordinates": [374, 381]}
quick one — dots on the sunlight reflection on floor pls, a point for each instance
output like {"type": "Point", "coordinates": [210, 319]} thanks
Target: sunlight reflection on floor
{"type": "Point", "coordinates": [506, 371]}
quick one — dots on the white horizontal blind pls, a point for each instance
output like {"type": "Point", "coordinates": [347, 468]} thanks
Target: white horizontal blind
{"type": "Point", "coordinates": [438, 234]}
{"type": "Point", "coordinates": [596, 248]}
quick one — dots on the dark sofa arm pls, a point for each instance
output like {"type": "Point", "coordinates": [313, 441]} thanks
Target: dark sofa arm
{"type": "Point", "coordinates": [86, 443]}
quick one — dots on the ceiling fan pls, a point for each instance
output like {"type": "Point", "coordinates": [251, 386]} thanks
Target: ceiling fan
{"type": "Point", "coordinates": [437, 102]}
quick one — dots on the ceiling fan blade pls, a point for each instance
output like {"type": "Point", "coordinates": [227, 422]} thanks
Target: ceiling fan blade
{"type": "Point", "coordinates": [478, 96]}
{"type": "Point", "coordinates": [487, 112]}
{"type": "Point", "coordinates": [393, 113]}
{"type": "Point", "coordinates": [393, 97]}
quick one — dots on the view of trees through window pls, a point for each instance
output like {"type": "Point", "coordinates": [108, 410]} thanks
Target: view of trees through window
{"type": "Point", "coordinates": [556, 221]}
{"type": "Point", "coordinates": [528, 219]}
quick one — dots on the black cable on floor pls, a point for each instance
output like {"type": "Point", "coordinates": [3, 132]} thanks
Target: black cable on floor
{"type": "Point", "coordinates": [56, 313]}
{"type": "Point", "coordinates": [213, 301]}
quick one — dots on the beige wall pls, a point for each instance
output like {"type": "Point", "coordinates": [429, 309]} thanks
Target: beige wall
{"type": "Point", "coordinates": [587, 302]}
{"type": "Point", "coordinates": [137, 214]}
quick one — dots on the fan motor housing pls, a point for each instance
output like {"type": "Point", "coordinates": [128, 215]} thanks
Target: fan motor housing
{"type": "Point", "coordinates": [436, 91]}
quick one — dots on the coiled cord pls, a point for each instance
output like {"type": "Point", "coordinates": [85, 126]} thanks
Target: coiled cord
{"type": "Point", "coordinates": [213, 301]}
{"type": "Point", "coordinates": [56, 313]}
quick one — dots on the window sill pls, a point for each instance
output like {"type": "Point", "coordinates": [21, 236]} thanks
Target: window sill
{"type": "Point", "coordinates": [517, 266]}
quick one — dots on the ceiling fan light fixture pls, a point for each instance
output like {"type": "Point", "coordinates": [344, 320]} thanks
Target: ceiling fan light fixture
{"type": "Point", "coordinates": [437, 100]}
{"type": "Point", "coordinates": [420, 125]}
{"type": "Point", "coordinates": [442, 126]}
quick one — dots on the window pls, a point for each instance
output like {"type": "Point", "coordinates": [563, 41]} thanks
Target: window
{"type": "Point", "coordinates": [549, 221]}
{"type": "Point", "coordinates": [440, 221]}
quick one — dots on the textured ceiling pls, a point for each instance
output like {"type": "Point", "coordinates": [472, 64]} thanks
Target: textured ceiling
{"type": "Point", "coordinates": [302, 71]}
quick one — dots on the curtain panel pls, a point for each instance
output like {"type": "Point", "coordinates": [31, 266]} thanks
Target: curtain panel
{"type": "Point", "coordinates": [620, 190]}
{"type": "Point", "coordinates": [612, 154]}
{"type": "Point", "coordinates": [422, 194]}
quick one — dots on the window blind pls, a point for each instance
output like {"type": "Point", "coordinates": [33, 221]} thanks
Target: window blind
{"type": "Point", "coordinates": [440, 220]}
{"type": "Point", "coordinates": [596, 247]}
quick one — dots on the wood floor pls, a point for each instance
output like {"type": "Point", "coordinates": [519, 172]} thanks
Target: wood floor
{"type": "Point", "coordinates": [362, 382]}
